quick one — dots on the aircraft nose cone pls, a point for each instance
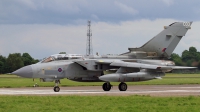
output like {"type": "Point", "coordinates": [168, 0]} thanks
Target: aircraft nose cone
{"type": "Point", "coordinates": [24, 72]}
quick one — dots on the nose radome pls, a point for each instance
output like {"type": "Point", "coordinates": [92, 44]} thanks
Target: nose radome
{"type": "Point", "coordinates": [24, 72]}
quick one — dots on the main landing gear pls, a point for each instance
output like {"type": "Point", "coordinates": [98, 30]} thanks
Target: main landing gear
{"type": "Point", "coordinates": [122, 86]}
{"type": "Point", "coordinates": [56, 87]}
{"type": "Point", "coordinates": [107, 86]}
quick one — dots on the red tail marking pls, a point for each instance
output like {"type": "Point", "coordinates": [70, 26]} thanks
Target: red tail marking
{"type": "Point", "coordinates": [164, 49]}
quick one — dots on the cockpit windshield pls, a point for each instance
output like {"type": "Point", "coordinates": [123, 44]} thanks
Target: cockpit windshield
{"type": "Point", "coordinates": [56, 57]}
{"type": "Point", "coordinates": [49, 59]}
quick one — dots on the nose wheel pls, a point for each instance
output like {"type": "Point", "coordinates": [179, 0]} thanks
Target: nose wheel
{"type": "Point", "coordinates": [56, 87]}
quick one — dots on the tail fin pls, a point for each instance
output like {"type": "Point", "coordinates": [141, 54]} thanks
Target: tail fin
{"type": "Point", "coordinates": [166, 41]}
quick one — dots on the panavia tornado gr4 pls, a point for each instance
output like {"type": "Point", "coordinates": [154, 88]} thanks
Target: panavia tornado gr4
{"type": "Point", "coordinates": [139, 64]}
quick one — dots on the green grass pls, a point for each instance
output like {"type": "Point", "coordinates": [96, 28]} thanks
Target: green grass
{"type": "Point", "coordinates": [99, 104]}
{"type": "Point", "coordinates": [12, 81]}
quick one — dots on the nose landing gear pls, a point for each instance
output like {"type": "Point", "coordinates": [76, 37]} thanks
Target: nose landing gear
{"type": "Point", "coordinates": [56, 87]}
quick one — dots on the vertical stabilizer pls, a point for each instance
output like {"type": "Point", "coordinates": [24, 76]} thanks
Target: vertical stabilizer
{"type": "Point", "coordinates": [166, 41]}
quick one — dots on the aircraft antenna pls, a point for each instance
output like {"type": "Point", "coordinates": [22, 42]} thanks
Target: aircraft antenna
{"type": "Point", "coordinates": [89, 50]}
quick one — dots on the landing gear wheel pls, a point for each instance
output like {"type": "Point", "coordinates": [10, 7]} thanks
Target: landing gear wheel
{"type": "Point", "coordinates": [122, 86]}
{"type": "Point", "coordinates": [56, 89]}
{"type": "Point", "coordinates": [106, 86]}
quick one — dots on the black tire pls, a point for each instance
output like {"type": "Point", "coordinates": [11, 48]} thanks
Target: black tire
{"type": "Point", "coordinates": [122, 86]}
{"type": "Point", "coordinates": [106, 86]}
{"type": "Point", "coordinates": [56, 89]}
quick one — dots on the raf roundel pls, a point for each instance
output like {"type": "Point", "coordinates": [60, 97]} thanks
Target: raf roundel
{"type": "Point", "coordinates": [60, 70]}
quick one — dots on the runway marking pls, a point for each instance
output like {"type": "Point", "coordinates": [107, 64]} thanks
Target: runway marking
{"type": "Point", "coordinates": [154, 90]}
{"type": "Point", "coordinates": [72, 92]}
{"type": "Point", "coordinates": [189, 87]}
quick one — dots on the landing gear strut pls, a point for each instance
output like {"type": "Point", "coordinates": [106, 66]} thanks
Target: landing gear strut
{"type": "Point", "coordinates": [56, 87]}
{"type": "Point", "coordinates": [106, 86]}
{"type": "Point", "coordinates": [122, 86]}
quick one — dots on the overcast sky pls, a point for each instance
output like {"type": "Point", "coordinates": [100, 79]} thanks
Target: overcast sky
{"type": "Point", "coordinates": [45, 27]}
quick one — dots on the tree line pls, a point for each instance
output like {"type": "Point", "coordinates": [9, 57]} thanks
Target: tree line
{"type": "Point", "coordinates": [15, 61]}
{"type": "Point", "coordinates": [189, 57]}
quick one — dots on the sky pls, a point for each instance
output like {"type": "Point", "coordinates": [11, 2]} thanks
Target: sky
{"type": "Point", "coordinates": [45, 27]}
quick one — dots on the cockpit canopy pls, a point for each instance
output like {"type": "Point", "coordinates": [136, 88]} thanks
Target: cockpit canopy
{"type": "Point", "coordinates": [56, 57]}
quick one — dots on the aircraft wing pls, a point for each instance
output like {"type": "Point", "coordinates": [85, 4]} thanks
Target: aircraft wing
{"type": "Point", "coordinates": [89, 64]}
{"type": "Point", "coordinates": [140, 66]}
{"type": "Point", "coordinates": [148, 66]}
{"type": "Point", "coordinates": [182, 67]}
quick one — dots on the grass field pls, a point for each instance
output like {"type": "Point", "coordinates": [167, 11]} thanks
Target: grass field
{"type": "Point", "coordinates": [99, 104]}
{"type": "Point", "coordinates": [12, 81]}
{"type": "Point", "coordinates": [72, 103]}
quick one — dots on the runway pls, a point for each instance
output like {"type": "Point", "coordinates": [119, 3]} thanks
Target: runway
{"type": "Point", "coordinates": [152, 90]}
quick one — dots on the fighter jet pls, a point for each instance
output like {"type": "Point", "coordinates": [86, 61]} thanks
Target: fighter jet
{"type": "Point", "coordinates": [139, 64]}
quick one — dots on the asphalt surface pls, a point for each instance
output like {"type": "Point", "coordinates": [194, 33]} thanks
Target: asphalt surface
{"type": "Point", "coordinates": [152, 90]}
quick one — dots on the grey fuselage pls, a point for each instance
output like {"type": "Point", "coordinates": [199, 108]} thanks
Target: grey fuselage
{"type": "Point", "coordinates": [88, 70]}
{"type": "Point", "coordinates": [94, 68]}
